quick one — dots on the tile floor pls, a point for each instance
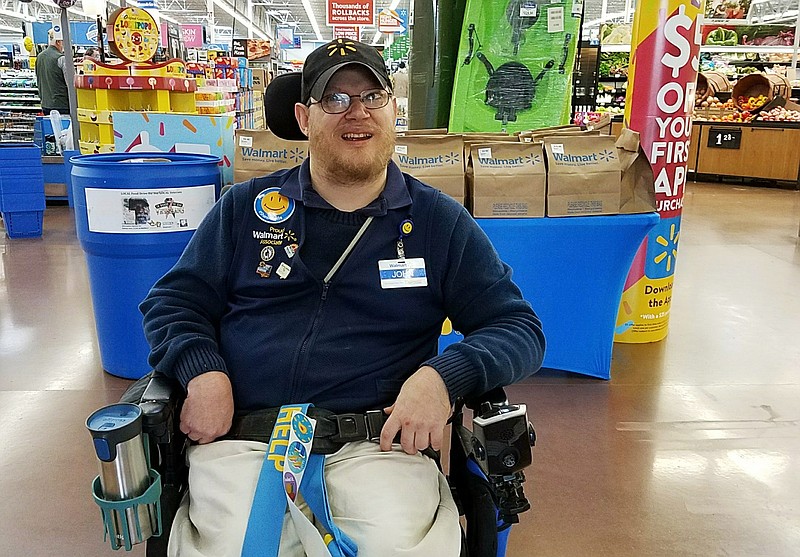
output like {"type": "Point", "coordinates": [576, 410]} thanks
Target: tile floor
{"type": "Point", "coordinates": [692, 448]}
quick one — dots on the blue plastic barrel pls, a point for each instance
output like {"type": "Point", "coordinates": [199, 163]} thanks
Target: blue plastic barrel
{"type": "Point", "coordinates": [134, 214]}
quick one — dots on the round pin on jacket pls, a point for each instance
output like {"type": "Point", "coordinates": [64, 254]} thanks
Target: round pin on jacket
{"type": "Point", "coordinates": [406, 227]}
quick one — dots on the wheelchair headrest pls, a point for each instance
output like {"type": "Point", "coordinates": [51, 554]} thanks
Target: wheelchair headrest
{"type": "Point", "coordinates": [279, 99]}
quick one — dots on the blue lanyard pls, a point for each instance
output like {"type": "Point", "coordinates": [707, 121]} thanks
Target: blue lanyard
{"type": "Point", "coordinates": [269, 502]}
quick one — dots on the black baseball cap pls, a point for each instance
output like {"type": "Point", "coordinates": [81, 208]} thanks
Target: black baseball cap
{"type": "Point", "coordinates": [326, 60]}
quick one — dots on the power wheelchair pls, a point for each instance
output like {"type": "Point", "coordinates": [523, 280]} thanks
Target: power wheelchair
{"type": "Point", "coordinates": [485, 463]}
{"type": "Point", "coordinates": [485, 470]}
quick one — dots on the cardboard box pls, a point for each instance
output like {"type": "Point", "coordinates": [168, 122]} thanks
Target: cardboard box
{"type": "Point", "coordinates": [176, 133]}
{"type": "Point", "coordinates": [260, 79]}
{"type": "Point", "coordinates": [436, 160]}
{"type": "Point", "coordinates": [583, 175]}
{"type": "Point", "coordinates": [261, 152]}
{"type": "Point", "coordinates": [508, 180]}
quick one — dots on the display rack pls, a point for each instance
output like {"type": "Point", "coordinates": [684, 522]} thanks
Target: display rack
{"type": "Point", "coordinates": [19, 105]}
{"type": "Point", "coordinates": [137, 87]}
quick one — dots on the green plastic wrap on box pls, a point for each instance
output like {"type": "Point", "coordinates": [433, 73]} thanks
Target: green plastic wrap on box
{"type": "Point", "coordinates": [514, 66]}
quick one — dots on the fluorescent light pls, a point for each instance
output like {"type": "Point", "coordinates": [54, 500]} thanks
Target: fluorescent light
{"type": "Point", "coordinates": [312, 18]}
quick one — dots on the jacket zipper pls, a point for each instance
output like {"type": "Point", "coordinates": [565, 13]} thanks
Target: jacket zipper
{"type": "Point", "coordinates": [301, 360]}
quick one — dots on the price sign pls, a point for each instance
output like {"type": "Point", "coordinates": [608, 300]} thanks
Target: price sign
{"type": "Point", "coordinates": [724, 138]}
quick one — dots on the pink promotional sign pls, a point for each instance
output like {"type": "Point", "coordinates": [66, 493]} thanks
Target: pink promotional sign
{"type": "Point", "coordinates": [192, 35]}
{"type": "Point", "coordinates": [665, 57]}
{"type": "Point", "coordinates": [350, 12]}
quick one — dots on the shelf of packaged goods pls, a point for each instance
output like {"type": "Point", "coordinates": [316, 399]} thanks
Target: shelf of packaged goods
{"type": "Point", "coordinates": [17, 108]}
{"type": "Point", "coordinates": [4, 90]}
{"type": "Point", "coordinates": [747, 49]}
{"type": "Point", "coordinates": [11, 98]}
{"type": "Point", "coordinates": [711, 49]}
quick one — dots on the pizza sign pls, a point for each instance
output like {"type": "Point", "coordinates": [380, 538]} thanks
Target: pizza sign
{"type": "Point", "coordinates": [133, 34]}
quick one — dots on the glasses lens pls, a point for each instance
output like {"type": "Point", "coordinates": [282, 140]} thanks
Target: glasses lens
{"type": "Point", "coordinates": [335, 103]}
{"type": "Point", "coordinates": [376, 98]}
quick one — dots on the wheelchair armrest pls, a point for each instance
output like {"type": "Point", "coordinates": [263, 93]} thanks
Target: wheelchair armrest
{"type": "Point", "coordinates": [160, 399]}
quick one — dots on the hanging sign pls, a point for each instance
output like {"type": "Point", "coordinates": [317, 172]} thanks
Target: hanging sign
{"type": "Point", "coordinates": [133, 34]}
{"type": "Point", "coordinates": [349, 32]}
{"type": "Point", "coordinates": [661, 89]}
{"type": "Point", "coordinates": [350, 12]}
{"type": "Point", "coordinates": [389, 21]}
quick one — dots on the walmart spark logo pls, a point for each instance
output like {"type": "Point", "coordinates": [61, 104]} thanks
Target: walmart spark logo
{"type": "Point", "coordinates": [670, 252]}
{"type": "Point", "coordinates": [343, 46]}
{"type": "Point", "coordinates": [452, 158]}
{"type": "Point", "coordinates": [606, 155]}
{"type": "Point", "coordinates": [533, 160]}
{"type": "Point", "coordinates": [297, 155]}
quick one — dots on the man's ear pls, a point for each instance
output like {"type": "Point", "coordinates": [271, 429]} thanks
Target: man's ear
{"type": "Point", "coordinates": [301, 115]}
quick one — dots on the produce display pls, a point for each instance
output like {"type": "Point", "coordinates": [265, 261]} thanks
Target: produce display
{"type": "Point", "coordinates": [722, 37]}
{"type": "Point", "coordinates": [613, 64]}
{"type": "Point", "coordinates": [616, 33]}
{"type": "Point", "coordinates": [779, 114]}
{"type": "Point", "coordinates": [747, 35]}
{"type": "Point", "coordinates": [727, 9]}
{"type": "Point", "coordinates": [752, 103]}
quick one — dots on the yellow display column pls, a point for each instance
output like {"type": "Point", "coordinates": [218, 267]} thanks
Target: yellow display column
{"type": "Point", "coordinates": [661, 87]}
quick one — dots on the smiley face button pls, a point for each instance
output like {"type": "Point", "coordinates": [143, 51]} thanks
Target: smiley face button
{"type": "Point", "coordinates": [272, 207]}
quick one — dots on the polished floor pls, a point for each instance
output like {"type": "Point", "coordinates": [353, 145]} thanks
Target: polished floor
{"type": "Point", "coordinates": [691, 449]}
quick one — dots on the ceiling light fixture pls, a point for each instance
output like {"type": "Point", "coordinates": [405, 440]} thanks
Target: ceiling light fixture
{"type": "Point", "coordinates": [312, 18]}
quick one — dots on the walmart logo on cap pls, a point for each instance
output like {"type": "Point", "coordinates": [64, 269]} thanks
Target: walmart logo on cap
{"type": "Point", "coordinates": [342, 46]}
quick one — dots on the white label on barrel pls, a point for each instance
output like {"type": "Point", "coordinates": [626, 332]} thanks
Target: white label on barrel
{"type": "Point", "coordinates": [246, 141]}
{"type": "Point", "coordinates": [147, 211]}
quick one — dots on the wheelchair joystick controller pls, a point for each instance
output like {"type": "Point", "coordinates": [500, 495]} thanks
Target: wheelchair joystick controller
{"type": "Point", "coordinates": [126, 485]}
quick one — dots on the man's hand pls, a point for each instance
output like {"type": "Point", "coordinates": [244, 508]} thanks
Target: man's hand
{"type": "Point", "coordinates": [208, 409]}
{"type": "Point", "coordinates": [419, 413]}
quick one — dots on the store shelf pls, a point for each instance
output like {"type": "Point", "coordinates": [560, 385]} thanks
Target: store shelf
{"type": "Point", "coordinates": [745, 49]}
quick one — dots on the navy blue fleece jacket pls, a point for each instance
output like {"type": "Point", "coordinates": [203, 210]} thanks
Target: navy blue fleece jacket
{"type": "Point", "coordinates": [241, 300]}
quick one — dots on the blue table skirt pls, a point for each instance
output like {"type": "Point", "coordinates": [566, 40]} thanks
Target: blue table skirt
{"type": "Point", "coordinates": [572, 270]}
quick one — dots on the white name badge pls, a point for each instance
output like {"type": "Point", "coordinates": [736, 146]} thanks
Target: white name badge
{"type": "Point", "coordinates": [402, 273]}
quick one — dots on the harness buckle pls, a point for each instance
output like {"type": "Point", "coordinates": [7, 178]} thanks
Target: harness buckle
{"type": "Point", "coordinates": [359, 427]}
{"type": "Point", "coordinates": [351, 427]}
{"type": "Point", "coordinates": [375, 420]}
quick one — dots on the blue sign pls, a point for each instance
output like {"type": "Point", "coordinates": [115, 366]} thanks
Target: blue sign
{"type": "Point", "coordinates": [297, 42]}
{"type": "Point", "coordinates": [403, 13]}
{"type": "Point", "coordinates": [81, 33]}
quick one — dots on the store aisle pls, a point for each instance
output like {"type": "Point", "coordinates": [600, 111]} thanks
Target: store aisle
{"type": "Point", "coordinates": [692, 448]}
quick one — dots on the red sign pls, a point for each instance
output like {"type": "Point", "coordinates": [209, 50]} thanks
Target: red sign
{"type": "Point", "coordinates": [350, 12]}
{"type": "Point", "coordinates": [350, 32]}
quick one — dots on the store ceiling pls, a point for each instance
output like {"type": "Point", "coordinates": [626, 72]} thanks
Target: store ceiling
{"type": "Point", "coordinates": [230, 16]}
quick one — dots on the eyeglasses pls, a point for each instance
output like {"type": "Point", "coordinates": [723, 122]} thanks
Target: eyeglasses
{"type": "Point", "coordinates": [337, 103]}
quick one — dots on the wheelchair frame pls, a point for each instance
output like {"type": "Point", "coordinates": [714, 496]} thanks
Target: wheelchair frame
{"type": "Point", "coordinates": [489, 511]}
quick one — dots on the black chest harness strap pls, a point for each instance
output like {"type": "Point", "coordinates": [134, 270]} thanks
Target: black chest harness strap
{"type": "Point", "coordinates": [331, 432]}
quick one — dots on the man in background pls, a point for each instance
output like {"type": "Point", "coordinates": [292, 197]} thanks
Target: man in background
{"type": "Point", "coordinates": [50, 76]}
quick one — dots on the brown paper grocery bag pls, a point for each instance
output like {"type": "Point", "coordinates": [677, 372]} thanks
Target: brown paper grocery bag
{"type": "Point", "coordinates": [637, 189]}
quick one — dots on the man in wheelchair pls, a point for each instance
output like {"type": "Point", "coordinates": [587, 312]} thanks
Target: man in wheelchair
{"type": "Point", "coordinates": [303, 319]}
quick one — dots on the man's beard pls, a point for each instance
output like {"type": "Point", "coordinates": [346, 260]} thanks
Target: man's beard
{"type": "Point", "coordinates": [347, 167]}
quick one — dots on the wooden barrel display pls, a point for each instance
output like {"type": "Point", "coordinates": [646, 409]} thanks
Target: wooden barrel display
{"type": "Point", "coordinates": [760, 84]}
{"type": "Point", "coordinates": [711, 83]}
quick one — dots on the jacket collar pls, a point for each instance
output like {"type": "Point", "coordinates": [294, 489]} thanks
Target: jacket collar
{"type": "Point", "coordinates": [394, 196]}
